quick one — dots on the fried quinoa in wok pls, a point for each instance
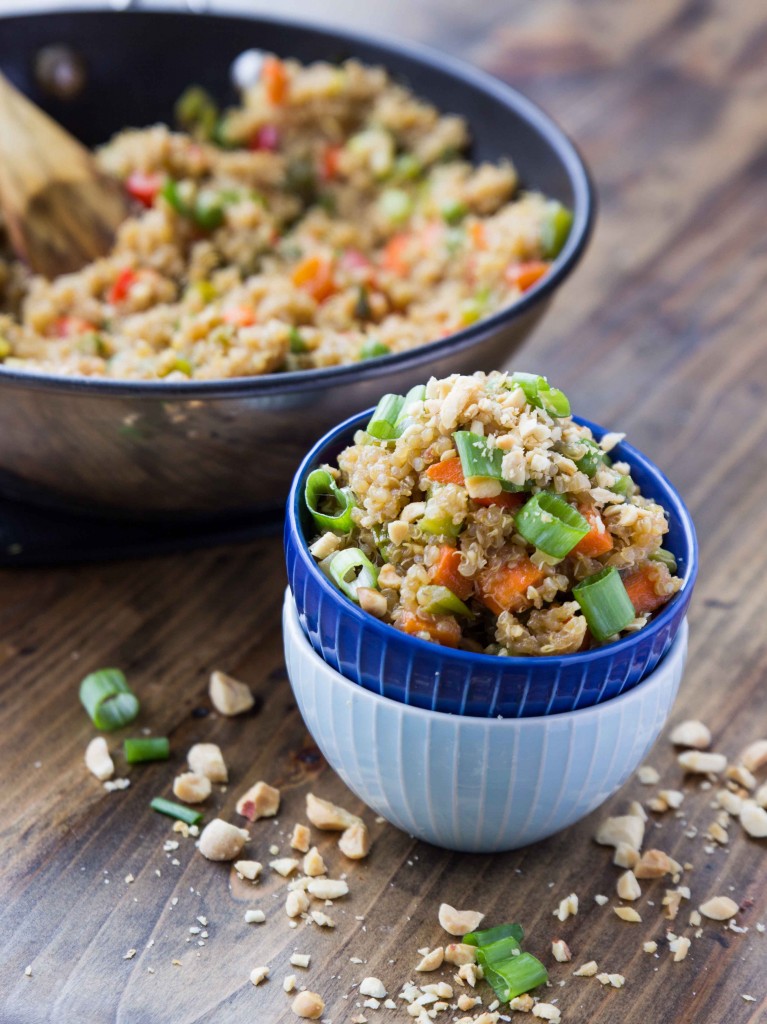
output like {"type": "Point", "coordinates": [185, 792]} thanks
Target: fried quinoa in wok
{"type": "Point", "coordinates": [331, 217]}
{"type": "Point", "coordinates": [476, 513]}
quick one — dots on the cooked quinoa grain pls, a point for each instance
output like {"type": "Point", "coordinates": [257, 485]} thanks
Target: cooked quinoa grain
{"type": "Point", "coordinates": [484, 516]}
{"type": "Point", "coordinates": [327, 219]}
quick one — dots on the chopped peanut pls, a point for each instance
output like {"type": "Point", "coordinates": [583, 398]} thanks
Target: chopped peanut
{"type": "Point", "coordinates": [297, 903]}
{"type": "Point", "coordinates": [568, 907]}
{"type": "Point", "coordinates": [460, 953]}
{"type": "Point", "coordinates": [627, 829]}
{"type": "Point", "coordinates": [547, 1011]}
{"type": "Point", "coordinates": [325, 545]}
{"type": "Point", "coordinates": [308, 1005]}
{"type": "Point", "coordinates": [459, 922]}
{"type": "Point", "coordinates": [373, 987]}
{"type": "Point", "coordinates": [98, 760]}
{"type": "Point", "coordinates": [260, 801]}
{"type": "Point", "coordinates": [284, 866]}
{"type": "Point", "coordinates": [524, 1003]}
{"type": "Point", "coordinates": [679, 947]}
{"type": "Point", "coordinates": [561, 951]}
{"type": "Point", "coordinates": [372, 601]}
{"type": "Point", "coordinates": [432, 960]}
{"type": "Point", "coordinates": [249, 869]}
{"type": "Point", "coordinates": [627, 914]}
{"type": "Point", "coordinates": [314, 865]}
{"type": "Point", "coordinates": [388, 577]}
{"type": "Point", "coordinates": [327, 888]}
{"type": "Point", "coordinates": [228, 695]}
{"type": "Point", "coordinates": [700, 763]}
{"type": "Point", "coordinates": [325, 815]}
{"type": "Point", "coordinates": [650, 947]}
{"type": "Point", "coordinates": [648, 775]}
{"type": "Point", "coordinates": [192, 788]}
{"type": "Point", "coordinates": [206, 759]}
{"type": "Point", "coordinates": [355, 842]}
{"type": "Point", "coordinates": [259, 974]}
{"type": "Point", "coordinates": [740, 774]}
{"type": "Point", "coordinates": [322, 920]}
{"type": "Point", "coordinates": [654, 864]}
{"type": "Point", "coordinates": [301, 838]}
{"type": "Point", "coordinates": [625, 856]}
{"type": "Point", "coordinates": [691, 733]}
{"type": "Point", "coordinates": [720, 908]}
{"type": "Point", "coordinates": [754, 756]}
{"type": "Point", "coordinates": [588, 970]}
{"type": "Point", "coordinates": [628, 887]}
{"type": "Point", "coordinates": [221, 841]}
{"type": "Point", "coordinates": [466, 1002]}
{"type": "Point", "coordinates": [753, 818]}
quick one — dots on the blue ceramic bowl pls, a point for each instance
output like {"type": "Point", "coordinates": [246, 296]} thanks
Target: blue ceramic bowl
{"type": "Point", "coordinates": [477, 784]}
{"type": "Point", "coordinates": [414, 671]}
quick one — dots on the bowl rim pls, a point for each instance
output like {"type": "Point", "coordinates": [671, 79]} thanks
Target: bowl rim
{"type": "Point", "coordinates": [584, 211]}
{"type": "Point", "coordinates": [660, 675]}
{"type": "Point", "coordinates": [671, 500]}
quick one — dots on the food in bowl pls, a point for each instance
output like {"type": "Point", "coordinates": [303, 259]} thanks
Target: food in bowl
{"type": "Point", "coordinates": [330, 218]}
{"type": "Point", "coordinates": [476, 513]}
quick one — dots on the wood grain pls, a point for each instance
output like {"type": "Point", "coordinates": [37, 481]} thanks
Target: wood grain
{"type": "Point", "coordinates": [659, 333]}
{"type": "Point", "coordinates": [61, 212]}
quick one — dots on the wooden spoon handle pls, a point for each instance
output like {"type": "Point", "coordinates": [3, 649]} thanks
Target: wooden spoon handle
{"type": "Point", "coordinates": [60, 210]}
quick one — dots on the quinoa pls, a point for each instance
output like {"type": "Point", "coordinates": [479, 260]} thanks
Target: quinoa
{"type": "Point", "coordinates": [329, 218]}
{"type": "Point", "coordinates": [452, 554]}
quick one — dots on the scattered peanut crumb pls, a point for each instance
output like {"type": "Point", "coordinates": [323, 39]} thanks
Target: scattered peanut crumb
{"type": "Point", "coordinates": [691, 733]}
{"type": "Point", "coordinates": [314, 865]}
{"type": "Point", "coordinates": [700, 763]}
{"type": "Point", "coordinates": [259, 974]}
{"type": "Point", "coordinates": [191, 787]}
{"type": "Point", "coordinates": [289, 983]}
{"type": "Point", "coordinates": [628, 887]}
{"type": "Point", "coordinates": [285, 866]}
{"type": "Point", "coordinates": [308, 1005]}
{"type": "Point", "coordinates": [206, 759]}
{"type": "Point", "coordinates": [647, 775]}
{"type": "Point", "coordinates": [601, 900]}
{"type": "Point", "coordinates": [228, 695]}
{"type": "Point", "coordinates": [221, 841]}
{"type": "Point", "coordinates": [330, 817]}
{"type": "Point", "coordinates": [720, 908]}
{"type": "Point", "coordinates": [561, 951]}
{"type": "Point", "coordinates": [328, 888]}
{"type": "Point", "coordinates": [650, 947]}
{"type": "Point", "coordinates": [249, 869]}
{"type": "Point", "coordinates": [432, 960]}
{"type": "Point", "coordinates": [260, 801]}
{"type": "Point", "coordinates": [616, 980]}
{"type": "Point", "coordinates": [254, 917]}
{"type": "Point", "coordinates": [627, 914]}
{"type": "Point", "coordinates": [373, 987]}
{"type": "Point", "coordinates": [459, 922]}
{"type": "Point", "coordinates": [547, 1011]}
{"type": "Point", "coordinates": [98, 760]}
{"type": "Point", "coordinates": [301, 838]}
{"type": "Point", "coordinates": [587, 970]}
{"type": "Point", "coordinates": [568, 907]}
{"type": "Point", "coordinates": [459, 953]}
{"type": "Point", "coordinates": [679, 947]}
{"type": "Point", "coordinates": [300, 959]}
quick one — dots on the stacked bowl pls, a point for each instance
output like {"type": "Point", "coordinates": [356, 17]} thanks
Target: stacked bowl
{"type": "Point", "coordinates": [468, 751]}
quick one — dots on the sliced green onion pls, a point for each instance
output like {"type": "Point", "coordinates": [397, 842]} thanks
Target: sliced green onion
{"type": "Point", "coordinates": [171, 193]}
{"type": "Point", "coordinates": [666, 558]}
{"type": "Point", "coordinates": [301, 179]}
{"type": "Point", "coordinates": [108, 699]}
{"type": "Point", "coordinates": [208, 212]}
{"type": "Point", "coordinates": [623, 485]}
{"type": "Point", "coordinates": [541, 394]}
{"type": "Point", "coordinates": [605, 603]}
{"type": "Point", "coordinates": [453, 211]}
{"type": "Point", "coordinates": [395, 205]}
{"type": "Point", "coordinates": [296, 341]}
{"type": "Point", "coordinates": [372, 349]}
{"type": "Point", "coordinates": [550, 524]}
{"type": "Point", "coordinates": [416, 394]}
{"type": "Point", "coordinates": [407, 167]}
{"type": "Point", "coordinates": [442, 601]}
{"type": "Point", "coordinates": [514, 976]}
{"type": "Point", "coordinates": [174, 810]}
{"type": "Point", "coordinates": [489, 935]}
{"type": "Point", "coordinates": [478, 459]}
{"type": "Point", "coordinates": [592, 460]}
{"type": "Point", "coordinates": [439, 526]}
{"type": "Point", "coordinates": [498, 952]}
{"type": "Point", "coordinates": [351, 569]}
{"type": "Point", "coordinates": [383, 423]}
{"type": "Point", "coordinates": [362, 308]}
{"type": "Point", "coordinates": [320, 489]}
{"type": "Point", "coordinates": [555, 228]}
{"type": "Point", "coordinates": [196, 111]}
{"type": "Point", "coordinates": [150, 748]}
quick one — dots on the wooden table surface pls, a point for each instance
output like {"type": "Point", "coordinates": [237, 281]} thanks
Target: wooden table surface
{"type": "Point", "coordinates": [661, 333]}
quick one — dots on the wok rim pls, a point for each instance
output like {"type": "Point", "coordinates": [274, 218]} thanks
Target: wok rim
{"type": "Point", "coordinates": [296, 381]}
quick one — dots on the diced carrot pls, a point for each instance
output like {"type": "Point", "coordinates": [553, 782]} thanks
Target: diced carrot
{"type": "Point", "coordinates": [330, 162]}
{"type": "Point", "coordinates": [506, 499]}
{"type": "Point", "coordinates": [240, 316]}
{"type": "Point", "coordinates": [275, 79]}
{"type": "Point", "coordinates": [445, 573]}
{"type": "Point", "coordinates": [524, 275]}
{"type": "Point", "coordinates": [478, 234]}
{"type": "Point", "coordinates": [394, 255]}
{"type": "Point", "coordinates": [67, 326]}
{"type": "Point", "coordinates": [447, 472]}
{"type": "Point", "coordinates": [122, 285]}
{"type": "Point", "coordinates": [641, 590]}
{"type": "Point", "coordinates": [598, 540]}
{"type": "Point", "coordinates": [504, 588]}
{"type": "Point", "coordinates": [443, 629]}
{"type": "Point", "coordinates": [315, 275]}
{"type": "Point", "coordinates": [143, 187]}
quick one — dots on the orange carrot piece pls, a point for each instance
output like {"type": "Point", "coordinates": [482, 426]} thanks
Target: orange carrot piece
{"type": "Point", "coordinates": [447, 472]}
{"type": "Point", "coordinates": [641, 591]}
{"type": "Point", "coordinates": [445, 573]}
{"type": "Point", "coordinates": [240, 316]}
{"type": "Point", "coordinates": [276, 81]}
{"type": "Point", "coordinates": [524, 275]}
{"type": "Point", "coordinates": [504, 588]}
{"type": "Point", "coordinates": [478, 234]}
{"type": "Point", "coordinates": [315, 276]}
{"type": "Point", "coordinates": [67, 326]}
{"type": "Point", "coordinates": [330, 162]}
{"type": "Point", "coordinates": [598, 541]}
{"type": "Point", "coordinates": [394, 254]}
{"type": "Point", "coordinates": [443, 629]}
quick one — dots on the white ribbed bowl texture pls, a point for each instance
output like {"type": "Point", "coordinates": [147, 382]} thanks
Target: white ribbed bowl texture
{"type": "Point", "coordinates": [475, 784]}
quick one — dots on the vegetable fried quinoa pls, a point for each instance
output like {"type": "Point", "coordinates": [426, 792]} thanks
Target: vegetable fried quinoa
{"type": "Point", "coordinates": [329, 218]}
{"type": "Point", "coordinates": [476, 513]}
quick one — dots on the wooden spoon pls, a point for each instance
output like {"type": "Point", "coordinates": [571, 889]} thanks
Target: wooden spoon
{"type": "Point", "coordinates": [61, 212]}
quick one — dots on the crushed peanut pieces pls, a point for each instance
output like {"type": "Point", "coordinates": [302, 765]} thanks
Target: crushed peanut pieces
{"type": "Point", "coordinates": [720, 908]}
{"type": "Point", "coordinates": [628, 914]}
{"type": "Point", "coordinates": [249, 869]}
{"type": "Point", "coordinates": [698, 762]}
{"type": "Point", "coordinates": [206, 759]}
{"type": "Point", "coordinates": [691, 733]}
{"type": "Point", "coordinates": [547, 1011]}
{"type": "Point", "coordinates": [259, 974]}
{"type": "Point", "coordinates": [587, 970]}
{"type": "Point", "coordinates": [650, 947]}
{"type": "Point", "coordinates": [568, 907]}
{"type": "Point", "coordinates": [327, 816]}
{"type": "Point", "coordinates": [260, 801]}
{"type": "Point", "coordinates": [628, 887]}
{"type": "Point", "coordinates": [648, 775]}
{"type": "Point", "coordinates": [327, 888]}
{"type": "Point", "coordinates": [301, 838]}
{"type": "Point", "coordinates": [221, 841]}
{"type": "Point", "coordinates": [308, 1005]}
{"type": "Point", "coordinates": [254, 917]}
{"type": "Point", "coordinates": [228, 695]}
{"type": "Point", "coordinates": [561, 951]}
{"type": "Point", "coordinates": [191, 787]}
{"type": "Point", "coordinates": [679, 946]}
{"type": "Point", "coordinates": [460, 953]}
{"type": "Point", "coordinates": [615, 980]}
{"type": "Point", "coordinates": [628, 829]}
{"type": "Point", "coordinates": [98, 760]}
{"type": "Point", "coordinates": [373, 987]}
{"type": "Point", "coordinates": [432, 960]}
{"type": "Point", "coordinates": [459, 922]}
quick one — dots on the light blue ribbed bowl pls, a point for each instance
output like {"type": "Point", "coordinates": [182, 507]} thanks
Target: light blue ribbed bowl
{"type": "Point", "coordinates": [476, 784]}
